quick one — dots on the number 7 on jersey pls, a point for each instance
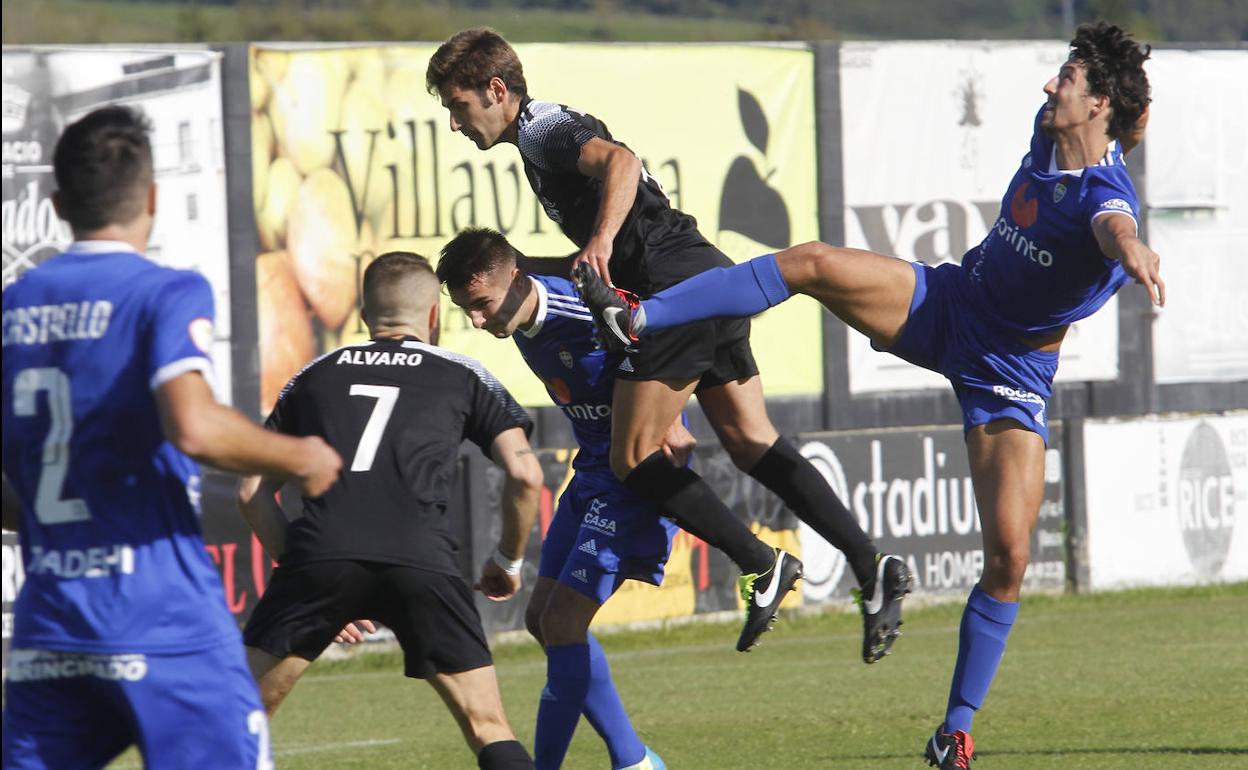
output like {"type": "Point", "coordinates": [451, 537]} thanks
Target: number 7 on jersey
{"type": "Point", "coordinates": [366, 450]}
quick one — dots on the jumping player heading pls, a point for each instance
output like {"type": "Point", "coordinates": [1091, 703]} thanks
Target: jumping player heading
{"type": "Point", "coordinates": [1066, 240]}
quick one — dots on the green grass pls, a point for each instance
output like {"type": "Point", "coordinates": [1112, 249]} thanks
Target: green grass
{"type": "Point", "coordinates": [1134, 680]}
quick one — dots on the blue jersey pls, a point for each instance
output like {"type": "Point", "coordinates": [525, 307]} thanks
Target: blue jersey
{"type": "Point", "coordinates": [559, 348]}
{"type": "Point", "coordinates": [1040, 267]}
{"type": "Point", "coordinates": [110, 533]}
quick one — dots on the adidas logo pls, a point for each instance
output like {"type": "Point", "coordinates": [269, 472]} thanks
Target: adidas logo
{"type": "Point", "coordinates": [626, 365]}
{"type": "Point", "coordinates": [589, 547]}
{"type": "Point", "coordinates": [581, 575]}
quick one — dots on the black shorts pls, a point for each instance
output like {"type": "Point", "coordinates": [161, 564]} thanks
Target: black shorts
{"type": "Point", "coordinates": [431, 614]}
{"type": "Point", "coordinates": [714, 352]}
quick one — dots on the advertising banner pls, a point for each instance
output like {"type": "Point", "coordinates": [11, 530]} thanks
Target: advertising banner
{"type": "Point", "coordinates": [1198, 213]}
{"type": "Point", "coordinates": [180, 92]}
{"type": "Point", "coordinates": [932, 134]}
{"type": "Point", "coordinates": [911, 491]}
{"type": "Point", "coordinates": [353, 158]}
{"type": "Point", "coordinates": [1167, 500]}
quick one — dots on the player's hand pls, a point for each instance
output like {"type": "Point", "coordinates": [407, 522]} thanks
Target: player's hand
{"type": "Point", "coordinates": [321, 467]}
{"type": "Point", "coordinates": [597, 253]}
{"type": "Point", "coordinates": [351, 633]}
{"type": "Point", "coordinates": [678, 444]}
{"type": "Point", "coordinates": [495, 584]}
{"type": "Point", "coordinates": [1143, 264]}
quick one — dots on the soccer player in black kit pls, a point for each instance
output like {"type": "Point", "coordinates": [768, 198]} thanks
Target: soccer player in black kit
{"type": "Point", "coordinates": [606, 203]}
{"type": "Point", "coordinates": [378, 544]}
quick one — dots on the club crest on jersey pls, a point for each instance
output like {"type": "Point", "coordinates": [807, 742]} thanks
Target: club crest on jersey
{"type": "Point", "coordinates": [1059, 189]}
{"type": "Point", "coordinates": [565, 357]}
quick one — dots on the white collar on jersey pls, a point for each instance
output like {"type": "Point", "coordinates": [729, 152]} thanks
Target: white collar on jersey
{"type": "Point", "coordinates": [540, 317]}
{"type": "Point", "coordinates": [1107, 160]}
{"type": "Point", "coordinates": [99, 247]}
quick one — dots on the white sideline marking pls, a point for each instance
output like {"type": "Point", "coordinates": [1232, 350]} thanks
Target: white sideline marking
{"type": "Point", "coordinates": [293, 750]}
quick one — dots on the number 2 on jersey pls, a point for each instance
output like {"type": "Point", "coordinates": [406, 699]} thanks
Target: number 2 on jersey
{"type": "Point", "coordinates": [366, 450]}
{"type": "Point", "coordinates": [50, 507]}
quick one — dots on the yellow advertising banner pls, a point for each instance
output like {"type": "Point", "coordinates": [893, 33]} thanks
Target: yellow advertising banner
{"type": "Point", "coordinates": [352, 158]}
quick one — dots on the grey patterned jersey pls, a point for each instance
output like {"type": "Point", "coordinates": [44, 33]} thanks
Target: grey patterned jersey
{"type": "Point", "coordinates": [550, 137]}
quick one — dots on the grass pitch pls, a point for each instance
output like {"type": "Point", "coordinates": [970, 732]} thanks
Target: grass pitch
{"type": "Point", "coordinates": [1133, 680]}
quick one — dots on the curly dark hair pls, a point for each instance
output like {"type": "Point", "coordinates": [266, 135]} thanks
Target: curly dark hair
{"type": "Point", "coordinates": [469, 59]}
{"type": "Point", "coordinates": [1114, 65]}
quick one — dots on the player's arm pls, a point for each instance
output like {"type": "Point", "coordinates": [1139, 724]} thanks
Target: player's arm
{"type": "Point", "coordinates": [1117, 236]}
{"type": "Point", "coordinates": [12, 506]}
{"type": "Point", "coordinates": [500, 575]}
{"type": "Point", "coordinates": [257, 500]}
{"type": "Point", "coordinates": [217, 435]}
{"type": "Point", "coordinates": [620, 170]}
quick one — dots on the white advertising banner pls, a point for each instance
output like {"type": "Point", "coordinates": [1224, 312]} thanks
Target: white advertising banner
{"type": "Point", "coordinates": [180, 92]}
{"type": "Point", "coordinates": [932, 134]}
{"type": "Point", "coordinates": [1198, 213]}
{"type": "Point", "coordinates": [1167, 500]}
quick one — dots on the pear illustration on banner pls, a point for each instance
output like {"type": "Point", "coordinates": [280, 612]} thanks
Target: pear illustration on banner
{"type": "Point", "coordinates": [748, 205]}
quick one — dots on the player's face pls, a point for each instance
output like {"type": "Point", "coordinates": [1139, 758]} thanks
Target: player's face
{"type": "Point", "coordinates": [478, 115]}
{"type": "Point", "coordinates": [1069, 103]}
{"type": "Point", "coordinates": [491, 300]}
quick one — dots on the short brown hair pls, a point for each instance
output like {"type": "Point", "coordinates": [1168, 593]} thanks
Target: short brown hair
{"type": "Point", "coordinates": [469, 59]}
{"type": "Point", "coordinates": [103, 168]}
{"type": "Point", "coordinates": [474, 252]}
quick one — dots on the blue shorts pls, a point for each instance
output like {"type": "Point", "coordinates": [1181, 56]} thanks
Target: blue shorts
{"type": "Point", "coordinates": [994, 376]}
{"type": "Point", "coordinates": [603, 534]}
{"type": "Point", "coordinates": [80, 710]}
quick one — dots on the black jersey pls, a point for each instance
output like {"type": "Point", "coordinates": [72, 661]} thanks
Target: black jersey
{"type": "Point", "coordinates": [550, 137]}
{"type": "Point", "coordinates": [397, 412]}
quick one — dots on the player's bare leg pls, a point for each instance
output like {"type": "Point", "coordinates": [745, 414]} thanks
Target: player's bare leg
{"type": "Point", "coordinates": [642, 411]}
{"type": "Point", "coordinates": [474, 700]}
{"type": "Point", "coordinates": [1007, 469]}
{"type": "Point", "coordinates": [537, 606]}
{"type": "Point", "coordinates": [868, 291]}
{"type": "Point", "coordinates": [275, 676]}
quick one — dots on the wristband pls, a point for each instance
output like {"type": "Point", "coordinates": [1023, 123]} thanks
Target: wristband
{"type": "Point", "coordinates": [509, 566]}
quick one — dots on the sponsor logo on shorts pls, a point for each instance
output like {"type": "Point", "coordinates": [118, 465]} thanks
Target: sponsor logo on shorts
{"type": "Point", "coordinates": [626, 365]}
{"type": "Point", "coordinates": [595, 520]}
{"type": "Point", "coordinates": [1014, 394]}
{"type": "Point", "coordinates": [46, 665]}
{"type": "Point", "coordinates": [589, 547]}
{"type": "Point", "coordinates": [581, 575]}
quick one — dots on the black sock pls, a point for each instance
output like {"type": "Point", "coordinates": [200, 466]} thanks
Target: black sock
{"type": "Point", "coordinates": [783, 470]}
{"type": "Point", "coordinates": [687, 498]}
{"type": "Point", "coordinates": [504, 755]}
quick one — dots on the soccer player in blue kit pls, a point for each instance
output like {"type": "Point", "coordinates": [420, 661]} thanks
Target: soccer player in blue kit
{"type": "Point", "coordinates": [121, 634]}
{"type": "Point", "coordinates": [1065, 242]}
{"type": "Point", "coordinates": [602, 533]}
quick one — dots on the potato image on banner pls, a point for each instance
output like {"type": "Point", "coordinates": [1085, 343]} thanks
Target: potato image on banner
{"type": "Point", "coordinates": [261, 157]}
{"type": "Point", "coordinates": [321, 237]}
{"type": "Point", "coordinates": [281, 187]}
{"type": "Point", "coordinates": [259, 88]}
{"type": "Point", "coordinates": [305, 108]}
{"type": "Point", "coordinates": [364, 132]}
{"type": "Point", "coordinates": [285, 325]}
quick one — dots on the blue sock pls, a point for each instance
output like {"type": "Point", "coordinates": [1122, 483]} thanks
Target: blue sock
{"type": "Point", "coordinates": [739, 291]}
{"type": "Point", "coordinates": [986, 624]}
{"type": "Point", "coordinates": [567, 683]}
{"type": "Point", "coordinates": [606, 713]}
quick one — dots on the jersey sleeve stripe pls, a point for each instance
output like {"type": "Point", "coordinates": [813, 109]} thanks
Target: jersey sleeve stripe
{"type": "Point", "coordinates": [565, 305]}
{"type": "Point", "coordinates": [180, 367]}
{"type": "Point", "coordinates": [1102, 212]}
{"type": "Point", "coordinates": [566, 314]}
{"type": "Point", "coordinates": [492, 383]}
